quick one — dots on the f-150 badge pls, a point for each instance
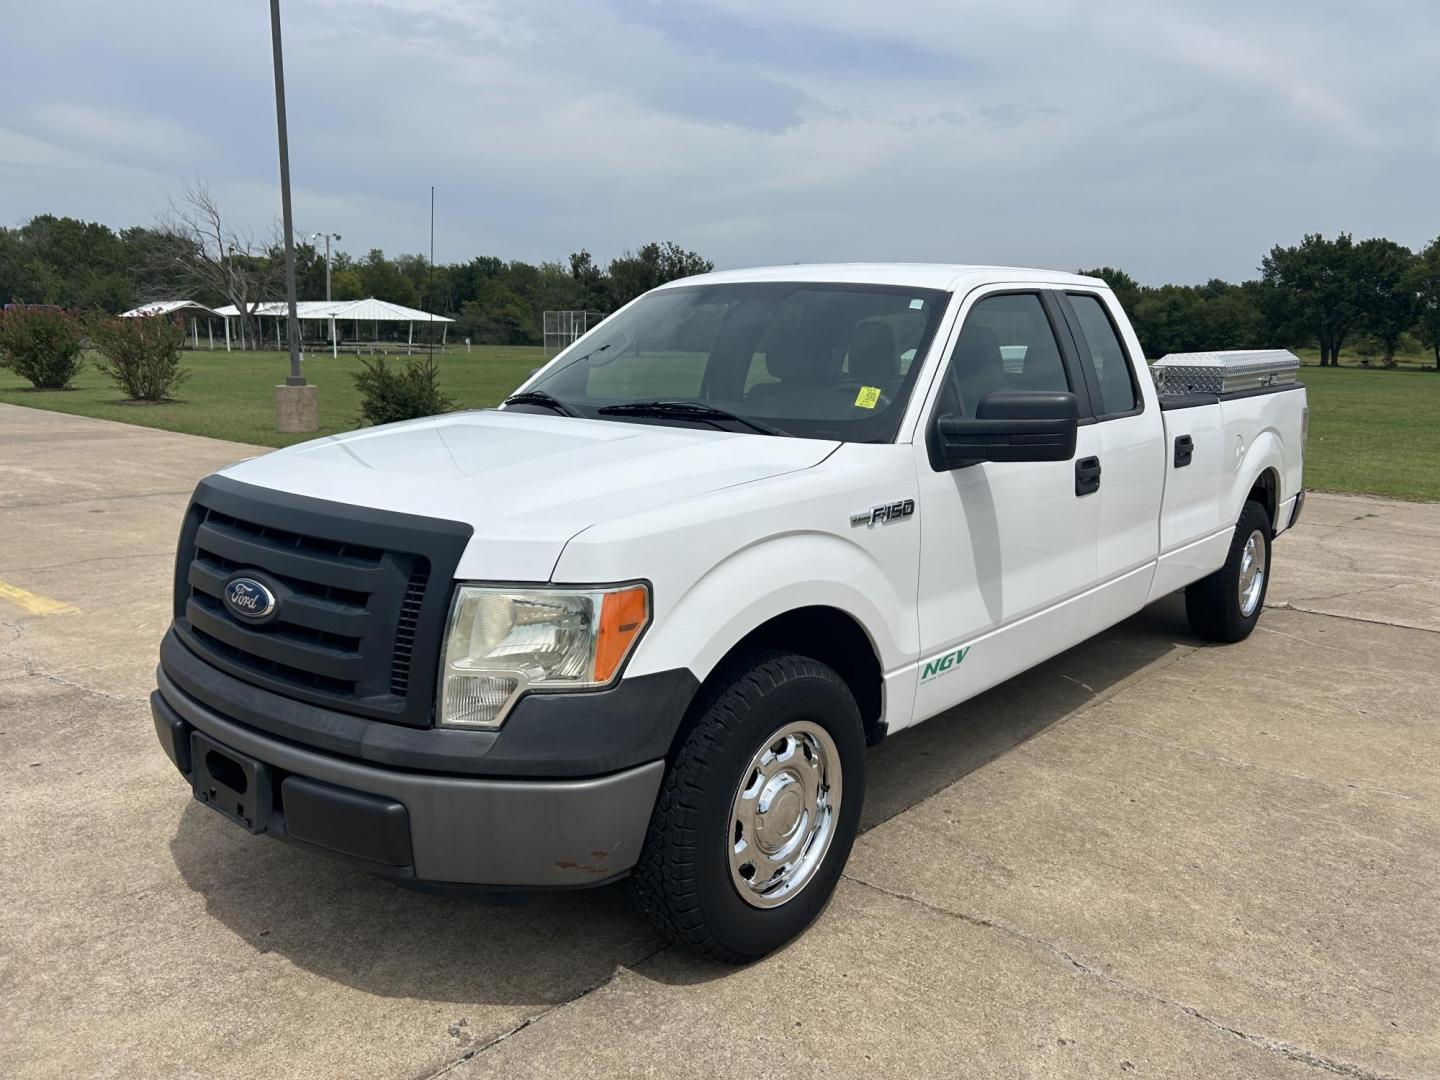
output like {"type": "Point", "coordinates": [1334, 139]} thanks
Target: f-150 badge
{"type": "Point", "coordinates": [883, 515]}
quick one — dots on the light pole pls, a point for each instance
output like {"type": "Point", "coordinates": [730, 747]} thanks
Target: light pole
{"type": "Point", "coordinates": [327, 238]}
{"type": "Point", "coordinates": [334, 345]}
{"type": "Point", "coordinates": [295, 403]}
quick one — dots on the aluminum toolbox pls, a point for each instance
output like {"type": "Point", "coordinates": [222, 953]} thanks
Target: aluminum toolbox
{"type": "Point", "coordinates": [1224, 372]}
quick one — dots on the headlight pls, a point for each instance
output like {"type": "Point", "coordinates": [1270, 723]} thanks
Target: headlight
{"type": "Point", "coordinates": [502, 642]}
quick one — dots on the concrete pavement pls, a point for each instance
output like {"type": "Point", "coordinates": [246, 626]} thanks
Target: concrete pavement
{"type": "Point", "coordinates": [1146, 857]}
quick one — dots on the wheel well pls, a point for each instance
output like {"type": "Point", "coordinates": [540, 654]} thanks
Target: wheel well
{"type": "Point", "coordinates": [835, 639]}
{"type": "Point", "coordinates": [1266, 491]}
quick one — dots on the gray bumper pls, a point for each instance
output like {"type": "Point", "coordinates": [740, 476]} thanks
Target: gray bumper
{"type": "Point", "coordinates": [461, 829]}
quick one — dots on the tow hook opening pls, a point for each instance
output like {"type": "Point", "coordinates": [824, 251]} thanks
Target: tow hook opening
{"type": "Point", "coordinates": [226, 771]}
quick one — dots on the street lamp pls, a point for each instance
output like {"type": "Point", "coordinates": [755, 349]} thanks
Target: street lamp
{"type": "Point", "coordinates": [334, 344]}
{"type": "Point", "coordinates": [327, 237]}
{"type": "Point", "coordinates": [295, 403]}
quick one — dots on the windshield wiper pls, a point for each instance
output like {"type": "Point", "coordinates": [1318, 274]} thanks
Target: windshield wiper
{"type": "Point", "coordinates": [541, 398]}
{"type": "Point", "coordinates": [687, 410]}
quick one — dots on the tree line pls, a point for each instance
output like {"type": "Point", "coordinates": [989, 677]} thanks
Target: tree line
{"type": "Point", "coordinates": [1373, 295]}
{"type": "Point", "coordinates": [1327, 293]}
{"type": "Point", "coordinates": [196, 253]}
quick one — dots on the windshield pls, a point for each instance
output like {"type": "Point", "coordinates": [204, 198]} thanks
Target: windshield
{"type": "Point", "coordinates": [820, 361]}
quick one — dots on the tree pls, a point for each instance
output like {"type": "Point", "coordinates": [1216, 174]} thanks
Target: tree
{"type": "Point", "coordinates": [1125, 287]}
{"type": "Point", "coordinates": [65, 262]}
{"type": "Point", "coordinates": [1314, 289]}
{"type": "Point", "coordinates": [1386, 299]}
{"type": "Point", "coordinates": [382, 279]}
{"type": "Point", "coordinates": [594, 290]}
{"type": "Point", "coordinates": [207, 257]}
{"type": "Point", "coordinates": [1423, 282]}
{"type": "Point", "coordinates": [653, 265]}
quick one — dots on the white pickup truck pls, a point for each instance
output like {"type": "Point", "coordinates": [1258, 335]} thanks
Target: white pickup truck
{"type": "Point", "coordinates": [643, 620]}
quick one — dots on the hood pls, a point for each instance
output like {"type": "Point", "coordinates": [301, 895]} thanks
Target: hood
{"type": "Point", "coordinates": [526, 483]}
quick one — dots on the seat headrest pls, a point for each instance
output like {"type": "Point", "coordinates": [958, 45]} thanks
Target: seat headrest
{"type": "Point", "coordinates": [978, 355]}
{"type": "Point", "coordinates": [874, 357]}
{"type": "Point", "coordinates": [979, 368]}
{"type": "Point", "coordinates": [791, 358]}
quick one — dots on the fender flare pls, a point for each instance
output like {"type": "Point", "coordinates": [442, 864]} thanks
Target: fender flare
{"type": "Point", "coordinates": [1265, 453]}
{"type": "Point", "coordinates": [778, 575]}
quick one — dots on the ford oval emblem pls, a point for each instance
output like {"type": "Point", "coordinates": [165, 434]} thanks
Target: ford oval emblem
{"type": "Point", "coordinates": [249, 599]}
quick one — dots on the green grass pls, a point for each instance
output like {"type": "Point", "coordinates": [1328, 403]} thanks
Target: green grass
{"type": "Point", "coordinates": [232, 396]}
{"type": "Point", "coordinates": [1371, 430]}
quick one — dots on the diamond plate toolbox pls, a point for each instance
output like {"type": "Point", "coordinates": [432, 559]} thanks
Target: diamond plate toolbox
{"type": "Point", "coordinates": [1224, 372]}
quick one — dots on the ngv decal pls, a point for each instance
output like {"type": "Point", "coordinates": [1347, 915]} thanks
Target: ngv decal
{"type": "Point", "coordinates": [880, 515]}
{"type": "Point", "coordinates": [941, 664]}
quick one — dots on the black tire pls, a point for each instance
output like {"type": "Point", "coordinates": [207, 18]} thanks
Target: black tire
{"type": "Point", "coordinates": [1213, 603]}
{"type": "Point", "coordinates": [683, 880]}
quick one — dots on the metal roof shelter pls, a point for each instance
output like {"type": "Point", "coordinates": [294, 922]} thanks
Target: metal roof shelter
{"type": "Point", "coordinates": [183, 307]}
{"type": "Point", "coordinates": [368, 310]}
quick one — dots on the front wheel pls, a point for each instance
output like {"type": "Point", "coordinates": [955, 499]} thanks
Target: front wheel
{"type": "Point", "coordinates": [1226, 605]}
{"type": "Point", "coordinates": [757, 814]}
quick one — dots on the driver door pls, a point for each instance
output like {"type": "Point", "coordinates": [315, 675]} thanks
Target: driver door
{"type": "Point", "coordinates": [1008, 549]}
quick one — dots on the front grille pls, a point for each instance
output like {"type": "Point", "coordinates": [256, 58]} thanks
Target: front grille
{"type": "Point", "coordinates": [405, 629]}
{"type": "Point", "coordinates": [361, 596]}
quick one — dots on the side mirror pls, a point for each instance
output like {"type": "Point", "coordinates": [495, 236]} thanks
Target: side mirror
{"type": "Point", "coordinates": [1008, 425]}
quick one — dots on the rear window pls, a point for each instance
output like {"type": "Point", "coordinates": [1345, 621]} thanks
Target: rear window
{"type": "Point", "coordinates": [1107, 354]}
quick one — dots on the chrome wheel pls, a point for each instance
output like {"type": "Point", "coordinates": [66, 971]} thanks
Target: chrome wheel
{"type": "Point", "coordinates": [1252, 573]}
{"type": "Point", "coordinates": [783, 816]}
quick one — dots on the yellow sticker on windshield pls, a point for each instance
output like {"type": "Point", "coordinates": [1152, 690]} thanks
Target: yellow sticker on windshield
{"type": "Point", "coordinates": [868, 397]}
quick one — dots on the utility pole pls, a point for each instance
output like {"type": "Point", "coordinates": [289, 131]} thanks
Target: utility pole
{"type": "Point", "coordinates": [334, 344]}
{"type": "Point", "coordinates": [296, 408]}
{"type": "Point", "coordinates": [327, 238]}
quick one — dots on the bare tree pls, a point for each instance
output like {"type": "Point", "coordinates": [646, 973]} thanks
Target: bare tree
{"type": "Point", "coordinates": [210, 255]}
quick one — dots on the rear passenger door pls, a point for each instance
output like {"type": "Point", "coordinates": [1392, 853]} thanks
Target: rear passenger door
{"type": "Point", "coordinates": [1132, 459]}
{"type": "Point", "coordinates": [1007, 548]}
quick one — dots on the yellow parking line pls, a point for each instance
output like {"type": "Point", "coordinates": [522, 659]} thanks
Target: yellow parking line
{"type": "Point", "coordinates": [35, 604]}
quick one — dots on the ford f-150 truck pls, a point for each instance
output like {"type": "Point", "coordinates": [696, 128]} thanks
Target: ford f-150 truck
{"type": "Point", "coordinates": [644, 619]}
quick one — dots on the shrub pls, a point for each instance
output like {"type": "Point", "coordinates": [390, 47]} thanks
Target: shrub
{"type": "Point", "coordinates": [41, 345]}
{"type": "Point", "coordinates": [141, 355]}
{"type": "Point", "coordinates": [389, 394]}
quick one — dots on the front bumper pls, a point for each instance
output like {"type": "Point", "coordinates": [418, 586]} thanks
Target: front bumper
{"type": "Point", "coordinates": [429, 826]}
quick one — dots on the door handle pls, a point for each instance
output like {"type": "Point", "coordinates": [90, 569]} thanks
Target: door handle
{"type": "Point", "coordinates": [1087, 476]}
{"type": "Point", "coordinates": [1184, 450]}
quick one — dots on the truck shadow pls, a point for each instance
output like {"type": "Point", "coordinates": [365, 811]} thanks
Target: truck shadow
{"type": "Point", "coordinates": [349, 926]}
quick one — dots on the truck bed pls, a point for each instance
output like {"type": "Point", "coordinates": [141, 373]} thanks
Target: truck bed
{"type": "Point", "coordinates": [1228, 433]}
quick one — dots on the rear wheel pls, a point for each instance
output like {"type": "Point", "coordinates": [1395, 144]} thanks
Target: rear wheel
{"type": "Point", "coordinates": [757, 813]}
{"type": "Point", "coordinates": [1226, 605]}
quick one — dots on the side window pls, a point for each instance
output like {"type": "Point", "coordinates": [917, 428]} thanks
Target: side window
{"type": "Point", "coordinates": [1107, 355]}
{"type": "Point", "coordinates": [1006, 344]}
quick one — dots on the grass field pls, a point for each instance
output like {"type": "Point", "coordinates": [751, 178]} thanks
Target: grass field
{"type": "Point", "coordinates": [232, 396]}
{"type": "Point", "coordinates": [1371, 430]}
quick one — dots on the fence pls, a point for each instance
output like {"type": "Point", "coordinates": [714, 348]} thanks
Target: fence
{"type": "Point", "coordinates": [563, 328]}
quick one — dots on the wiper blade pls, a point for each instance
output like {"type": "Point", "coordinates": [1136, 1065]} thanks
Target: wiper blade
{"type": "Point", "coordinates": [541, 398]}
{"type": "Point", "coordinates": [687, 410]}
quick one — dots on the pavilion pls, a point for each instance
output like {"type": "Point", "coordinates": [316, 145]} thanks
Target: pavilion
{"type": "Point", "coordinates": [337, 313]}
{"type": "Point", "coordinates": [182, 308]}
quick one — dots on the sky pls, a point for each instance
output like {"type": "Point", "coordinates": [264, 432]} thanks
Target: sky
{"type": "Point", "coordinates": [1178, 139]}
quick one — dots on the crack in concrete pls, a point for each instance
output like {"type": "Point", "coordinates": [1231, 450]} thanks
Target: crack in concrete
{"type": "Point", "coordinates": [1285, 605]}
{"type": "Point", "coordinates": [1405, 583]}
{"type": "Point", "coordinates": [475, 1052]}
{"type": "Point", "coordinates": [1240, 763]}
{"type": "Point", "coordinates": [1277, 1047]}
{"type": "Point", "coordinates": [71, 563]}
{"type": "Point", "coordinates": [85, 500]}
